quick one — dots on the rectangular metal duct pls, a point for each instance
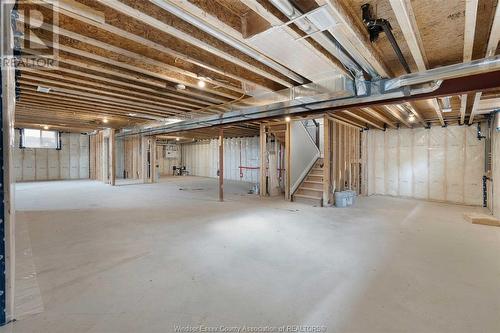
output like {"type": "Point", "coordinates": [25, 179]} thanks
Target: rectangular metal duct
{"type": "Point", "coordinates": [297, 55]}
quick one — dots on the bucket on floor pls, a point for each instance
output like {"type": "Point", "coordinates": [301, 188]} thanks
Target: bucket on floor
{"type": "Point", "coordinates": [341, 199]}
{"type": "Point", "coordinates": [352, 196]}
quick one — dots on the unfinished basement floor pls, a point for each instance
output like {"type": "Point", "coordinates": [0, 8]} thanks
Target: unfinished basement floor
{"type": "Point", "coordinates": [145, 258]}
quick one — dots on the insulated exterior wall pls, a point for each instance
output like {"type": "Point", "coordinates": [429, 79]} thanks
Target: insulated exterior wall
{"type": "Point", "coordinates": [70, 162]}
{"type": "Point", "coordinates": [440, 164]}
{"type": "Point", "coordinates": [201, 158]}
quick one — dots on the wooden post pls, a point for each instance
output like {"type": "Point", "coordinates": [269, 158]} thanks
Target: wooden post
{"type": "Point", "coordinates": [144, 158]}
{"type": "Point", "coordinates": [221, 164]}
{"type": "Point", "coordinates": [288, 195]}
{"type": "Point", "coordinates": [263, 167]}
{"type": "Point", "coordinates": [112, 157]}
{"type": "Point", "coordinates": [152, 158]}
{"type": "Point", "coordinates": [326, 161]}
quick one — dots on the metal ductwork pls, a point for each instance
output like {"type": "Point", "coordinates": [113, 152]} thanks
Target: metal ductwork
{"type": "Point", "coordinates": [446, 104]}
{"type": "Point", "coordinates": [376, 26]}
{"type": "Point", "coordinates": [314, 25]}
{"type": "Point", "coordinates": [423, 85]}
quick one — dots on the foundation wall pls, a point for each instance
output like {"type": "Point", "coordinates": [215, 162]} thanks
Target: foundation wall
{"type": "Point", "coordinates": [439, 164]}
{"type": "Point", "coordinates": [70, 162]}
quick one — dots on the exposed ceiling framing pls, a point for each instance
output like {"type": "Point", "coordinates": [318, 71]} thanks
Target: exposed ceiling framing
{"type": "Point", "coordinates": [125, 63]}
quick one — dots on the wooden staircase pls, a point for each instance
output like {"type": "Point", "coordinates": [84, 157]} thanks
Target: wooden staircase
{"type": "Point", "coordinates": [311, 188]}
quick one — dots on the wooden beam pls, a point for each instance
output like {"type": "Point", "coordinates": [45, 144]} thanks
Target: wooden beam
{"type": "Point", "coordinates": [346, 31]}
{"type": "Point", "coordinates": [394, 111]}
{"type": "Point", "coordinates": [437, 109]}
{"type": "Point", "coordinates": [335, 116]}
{"type": "Point", "coordinates": [475, 106]}
{"type": "Point", "coordinates": [164, 27]}
{"type": "Point", "coordinates": [121, 91]}
{"type": "Point", "coordinates": [406, 20]}
{"type": "Point", "coordinates": [490, 51]}
{"type": "Point", "coordinates": [263, 158]}
{"type": "Point", "coordinates": [366, 121]}
{"type": "Point", "coordinates": [470, 28]}
{"type": "Point", "coordinates": [102, 91]}
{"type": "Point", "coordinates": [463, 107]}
{"type": "Point", "coordinates": [101, 97]}
{"type": "Point", "coordinates": [221, 164]}
{"type": "Point", "coordinates": [494, 34]}
{"type": "Point", "coordinates": [158, 47]}
{"type": "Point", "coordinates": [123, 86]}
{"type": "Point", "coordinates": [469, 33]}
{"type": "Point", "coordinates": [415, 113]}
{"type": "Point", "coordinates": [327, 155]}
{"type": "Point", "coordinates": [380, 117]}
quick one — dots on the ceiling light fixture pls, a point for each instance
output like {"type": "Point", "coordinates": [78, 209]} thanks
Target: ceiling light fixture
{"type": "Point", "coordinates": [45, 127]}
{"type": "Point", "coordinates": [411, 118]}
{"type": "Point", "coordinates": [177, 139]}
{"type": "Point", "coordinates": [132, 114]}
{"type": "Point", "coordinates": [201, 83]}
{"type": "Point", "coordinates": [41, 89]}
{"type": "Point", "coordinates": [287, 119]}
{"type": "Point", "coordinates": [105, 120]}
{"type": "Point", "coordinates": [180, 86]}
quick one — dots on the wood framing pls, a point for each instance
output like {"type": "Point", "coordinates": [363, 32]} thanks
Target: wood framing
{"type": "Point", "coordinates": [327, 145]}
{"type": "Point", "coordinates": [221, 164]}
{"type": "Point", "coordinates": [112, 157]}
{"type": "Point", "coordinates": [263, 160]}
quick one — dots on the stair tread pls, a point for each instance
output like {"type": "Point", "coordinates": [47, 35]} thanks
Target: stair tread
{"type": "Point", "coordinates": [312, 181]}
{"type": "Point", "coordinates": [307, 196]}
{"type": "Point", "coordinates": [310, 189]}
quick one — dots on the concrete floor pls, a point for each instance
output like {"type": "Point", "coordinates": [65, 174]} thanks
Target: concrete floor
{"type": "Point", "coordinates": [145, 258]}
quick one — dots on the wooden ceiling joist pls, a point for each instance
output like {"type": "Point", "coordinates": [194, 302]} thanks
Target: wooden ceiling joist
{"type": "Point", "coordinates": [379, 116]}
{"type": "Point", "coordinates": [171, 30]}
{"type": "Point", "coordinates": [178, 56]}
{"type": "Point", "coordinates": [107, 87]}
{"type": "Point", "coordinates": [100, 97]}
{"type": "Point", "coordinates": [394, 111]}
{"type": "Point", "coordinates": [363, 119]}
{"type": "Point", "coordinates": [31, 93]}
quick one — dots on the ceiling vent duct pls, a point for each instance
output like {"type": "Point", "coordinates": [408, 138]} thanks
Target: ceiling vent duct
{"type": "Point", "coordinates": [446, 104]}
{"type": "Point", "coordinates": [376, 26]}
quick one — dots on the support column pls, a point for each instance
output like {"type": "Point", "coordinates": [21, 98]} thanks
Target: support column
{"type": "Point", "coordinates": [112, 157]}
{"type": "Point", "coordinates": [221, 164]}
{"type": "Point", "coordinates": [263, 158]}
{"type": "Point", "coordinates": [152, 159]}
{"type": "Point", "coordinates": [144, 158]}
{"type": "Point", "coordinates": [326, 161]}
{"type": "Point", "coordinates": [7, 210]}
{"type": "Point", "coordinates": [288, 195]}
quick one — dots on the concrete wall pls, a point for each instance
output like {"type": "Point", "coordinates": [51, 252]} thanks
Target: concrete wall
{"type": "Point", "coordinates": [441, 164]}
{"type": "Point", "coordinates": [201, 158]}
{"type": "Point", "coordinates": [71, 162]}
{"type": "Point", "coordinates": [495, 159]}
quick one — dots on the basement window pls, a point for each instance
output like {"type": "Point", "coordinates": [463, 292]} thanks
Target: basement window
{"type": "Point", "coordinates": [34, 138]}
